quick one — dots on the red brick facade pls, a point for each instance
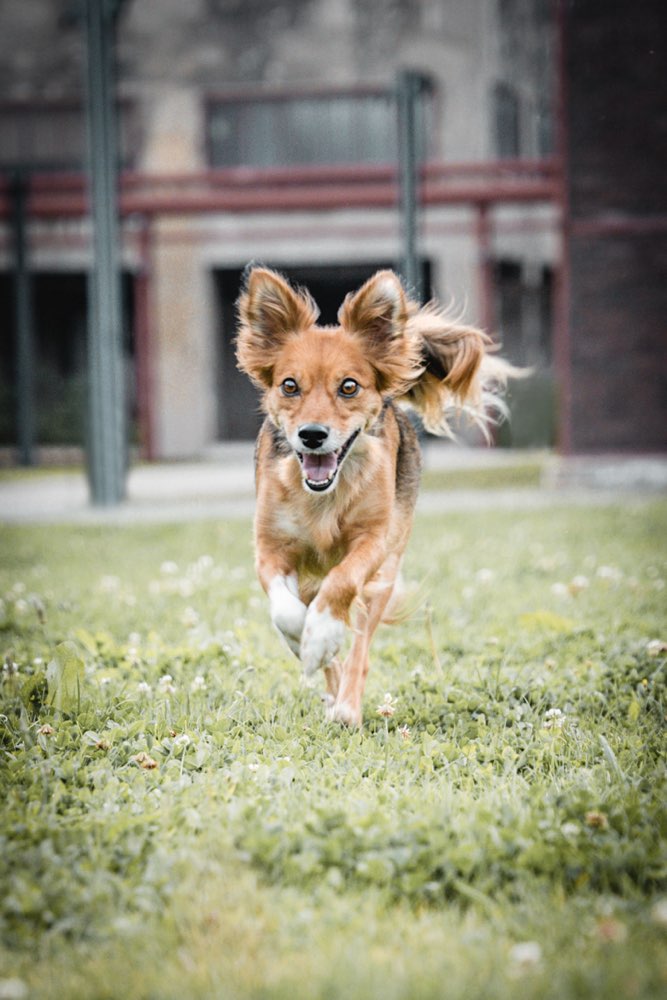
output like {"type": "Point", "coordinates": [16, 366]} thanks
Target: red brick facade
{"type": "Point", "coordinates": [616, 137]}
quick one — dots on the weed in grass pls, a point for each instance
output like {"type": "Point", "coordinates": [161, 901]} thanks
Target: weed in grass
{"type": "Point", "coordinates": [178, 818]}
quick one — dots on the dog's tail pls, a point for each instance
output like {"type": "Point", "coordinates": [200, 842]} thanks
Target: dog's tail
{"type": "Point", "coordinates": [460, 373]}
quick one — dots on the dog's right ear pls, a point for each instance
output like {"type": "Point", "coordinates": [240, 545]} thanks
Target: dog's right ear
{"type": "Point", "coordinates": [269, 311]}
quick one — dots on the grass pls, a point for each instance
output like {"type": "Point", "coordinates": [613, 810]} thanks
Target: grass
{"type": "Point", "coordinates": [17, 474]}
{"type": "Point", "coordinates": [179, 821]}
{"type": "Point", "coordinates": [512, 476]}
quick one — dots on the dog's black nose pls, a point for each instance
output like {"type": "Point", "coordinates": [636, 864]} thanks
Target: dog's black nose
{"type": "Point", "coordinates": [313, 435]}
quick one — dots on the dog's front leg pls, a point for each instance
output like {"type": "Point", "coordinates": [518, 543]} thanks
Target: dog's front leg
{"type": "Point", "coordinates": [327, 616]}
{"type": "Point", "coordinates": [279, 580]}
{"type": "Point", "coordinates": [288, 612]}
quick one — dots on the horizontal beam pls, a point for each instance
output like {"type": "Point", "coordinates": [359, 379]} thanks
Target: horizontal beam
{"type": "Point", "coordinates": [304, 188]}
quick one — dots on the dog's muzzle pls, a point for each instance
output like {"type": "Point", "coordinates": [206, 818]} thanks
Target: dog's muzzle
{"type": "Point", "coordinates": [320, 468]}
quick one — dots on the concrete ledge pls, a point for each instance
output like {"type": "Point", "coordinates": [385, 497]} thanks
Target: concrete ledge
{"type": "Point", "coordinates": [620, 473]}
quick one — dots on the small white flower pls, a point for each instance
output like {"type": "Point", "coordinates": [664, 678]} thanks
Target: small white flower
{"type": "Point", "coordinates": [182, 741]}
{"type": "Point", "coordinates": [21, 607]}
{"type": "Point", "coordinates": [104, 681]}
{"type": "Point", "coordinates": [198, 684]}
{"type": "Point", "coordinates": [169, 568]}
{"type": "Point", "coordinates": [484, 576]}
{"type": "Point", "coordinates": [387, 708]}
{"type": "Point", "coordinates": [526, 955]}
{"type": "Point", "coordinates": [253, 767]}
{"type": "Point", "coordinates": [165, 684]}
{"type": "Point", "coordinates": [578, 583]}
{"type": "Point", "coordinates": [190, 618]}
{"type": "Point", "coordinates": [143, 687]}
{"type": "Point", "coordinates": [611, 574]}
{"type": "Point", "coordinates": [656, 646]}
{"type": "Point", "coordinates": [560, 590]}
{"type": "Point", "coordinates": [553, 719]}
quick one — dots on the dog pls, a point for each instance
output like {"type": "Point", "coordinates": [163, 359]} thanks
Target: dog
{"type": "Point", "coordinates": [337, 460]}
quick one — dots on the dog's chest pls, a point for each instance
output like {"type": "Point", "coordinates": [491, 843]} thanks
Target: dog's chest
{"type": "Point", "coordinates": [319, 534]}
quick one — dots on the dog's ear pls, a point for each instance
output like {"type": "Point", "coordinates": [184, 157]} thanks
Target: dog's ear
{"type": "Point", "coordinates": [269, 311]}
{"type": "Point", "coordinates": [378, 311]}
{"type": "Point", "coordinates": [378, 315]}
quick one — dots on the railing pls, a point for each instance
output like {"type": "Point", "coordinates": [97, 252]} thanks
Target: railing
{"type": "Point", "coordinates": [296, 189]}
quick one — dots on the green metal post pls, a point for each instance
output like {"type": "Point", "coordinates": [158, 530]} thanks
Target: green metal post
{"type": "Point", "coordinates": [25, 352]}
{"type": "Point", "coordinates": [409, 87]}
{"type": "Point", "coordinates": [106, 436]}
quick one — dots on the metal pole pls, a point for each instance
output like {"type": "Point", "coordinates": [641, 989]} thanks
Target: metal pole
{"type": "Point", "coordinates": [485, 258]}
{"type": "Point", "coordinates": [25, 352]}
{"type": "Point", "coordinates": [410, 86]}
{"type": "Point", "coordinates": [106, 439]}
{"type": "Point", "coordinates": [142, 335]}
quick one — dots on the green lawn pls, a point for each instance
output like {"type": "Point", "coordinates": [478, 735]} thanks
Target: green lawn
{"type": "Point", "coordinates": [178, 821]}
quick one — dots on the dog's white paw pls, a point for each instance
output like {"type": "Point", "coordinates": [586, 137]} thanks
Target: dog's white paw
{"type": "Point", "coordinates": [288, 612]}
{"type": "Point", "coordinates": [321, 639]}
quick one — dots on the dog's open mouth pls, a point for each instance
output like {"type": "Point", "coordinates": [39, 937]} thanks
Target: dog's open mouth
{"type": "Point", "coordinates": [320, 470]}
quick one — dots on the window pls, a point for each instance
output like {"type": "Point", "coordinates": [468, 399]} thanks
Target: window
{"type": "Point", "coordinates": [52, 135]}
{"type": "Point", "coordinates": [309, 130]}
{"type": "Point", "coordinates": [506, 121]}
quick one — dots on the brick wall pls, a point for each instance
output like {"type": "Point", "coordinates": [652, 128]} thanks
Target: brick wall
{"type": "Point", "coordinates": [616, 118]}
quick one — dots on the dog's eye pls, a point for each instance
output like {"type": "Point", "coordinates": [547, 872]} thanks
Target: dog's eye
{"type": "Point", "coordinates": [348, 387]}
{"type": "Point", "coordinates": [289, 387]}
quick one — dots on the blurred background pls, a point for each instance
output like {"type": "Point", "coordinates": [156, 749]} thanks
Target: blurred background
{"type": "Point", "coordinates": [267, 130]}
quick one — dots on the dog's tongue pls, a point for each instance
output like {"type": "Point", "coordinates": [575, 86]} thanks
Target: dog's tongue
{"type": "Point", "coordinates": [319, 468]}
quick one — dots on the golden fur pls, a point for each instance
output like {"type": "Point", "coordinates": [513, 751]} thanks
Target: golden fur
{"type": "Point", "coordinates": [337, 461]}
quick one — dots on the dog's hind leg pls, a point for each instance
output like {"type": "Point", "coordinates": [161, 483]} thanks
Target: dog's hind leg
{"type": "Point", "coordinates": [347, 706]}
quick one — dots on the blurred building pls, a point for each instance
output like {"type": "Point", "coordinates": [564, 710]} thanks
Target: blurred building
{"type": "Point", "coordinates": [266, 130]}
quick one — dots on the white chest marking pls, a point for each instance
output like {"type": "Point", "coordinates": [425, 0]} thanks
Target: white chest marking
{"type": "Point", "coordinates": [288, 525]}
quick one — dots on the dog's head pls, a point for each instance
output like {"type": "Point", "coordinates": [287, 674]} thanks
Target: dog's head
{"type": "Point", "coordinates": [324, 386]}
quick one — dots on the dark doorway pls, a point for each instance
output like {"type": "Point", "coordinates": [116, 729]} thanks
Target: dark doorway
{"type": "Point", "coordinates": [524, 306]}
{"type": "Point", "coordinates": [59, 303]}
{"type": "Point", "coordinates": [239, 416]}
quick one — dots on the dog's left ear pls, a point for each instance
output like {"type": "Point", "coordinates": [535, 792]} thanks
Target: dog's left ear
{"type": "Point", "coordinates": [378, 311]}
{"type": "Point", "coordinates": [269, 311]}
{"type": "Point", "coordinates": [378, 314]}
